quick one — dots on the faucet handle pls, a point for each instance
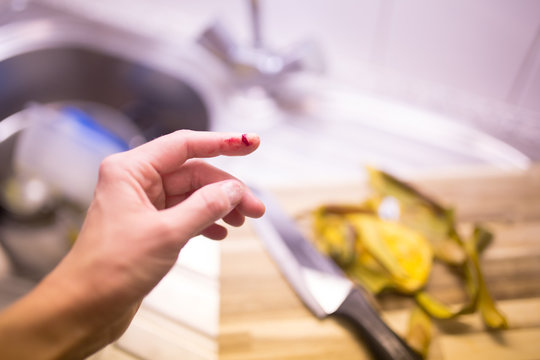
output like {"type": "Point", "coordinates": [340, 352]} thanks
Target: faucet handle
{"type": "Point", "coordinates": [217, 40]}
{"type": "Point", "coordinates": [255, 64]}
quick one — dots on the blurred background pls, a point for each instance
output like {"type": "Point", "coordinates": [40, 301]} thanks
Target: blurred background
{"type": "Point", "coordinates": [412, 87]}
{"type": "Point", "coordinates": [486, 48]}
{"type": "Point", "coordinates": [475, 64]}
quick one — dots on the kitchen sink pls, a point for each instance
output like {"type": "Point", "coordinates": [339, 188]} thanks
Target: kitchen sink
{"type": "Point", "coordinates": [55, 57]}
{"type": "Point", "coordinates": [156, 102]}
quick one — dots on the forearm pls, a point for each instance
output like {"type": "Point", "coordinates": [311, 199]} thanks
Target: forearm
{"type": "Point", "coordinates": [54, 321]}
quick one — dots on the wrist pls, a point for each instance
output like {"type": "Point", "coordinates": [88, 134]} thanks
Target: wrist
{"type": "Point", "coordinates": [43, 325]}
{"type": "Point", "coordinates": [86, 302]}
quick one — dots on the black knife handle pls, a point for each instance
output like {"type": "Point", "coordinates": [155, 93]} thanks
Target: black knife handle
{"type": "Point", "coordinates": [380, 339]}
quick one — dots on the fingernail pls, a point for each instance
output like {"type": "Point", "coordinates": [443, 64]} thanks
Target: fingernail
{"type": "Point", "coordinates": [249, 139]}
{"type": "Point", "coordinates": [234, 191]}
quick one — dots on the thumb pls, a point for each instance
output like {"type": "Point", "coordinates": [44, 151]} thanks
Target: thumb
{"type": "Point", "coordinates": [204, 207]}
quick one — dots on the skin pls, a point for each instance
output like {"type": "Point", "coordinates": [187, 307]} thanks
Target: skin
{"type": "Point", "coordinates": [148, 203]}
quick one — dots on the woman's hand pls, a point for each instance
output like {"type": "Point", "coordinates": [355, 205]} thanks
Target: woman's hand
{"type": "Point", "coordinates": [148, 203]}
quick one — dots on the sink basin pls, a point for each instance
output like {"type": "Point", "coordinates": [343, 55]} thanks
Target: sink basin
{"type": "Point", "coordinates": [157, 103]}
{"type": "Point", "coordinates": [55, 57]}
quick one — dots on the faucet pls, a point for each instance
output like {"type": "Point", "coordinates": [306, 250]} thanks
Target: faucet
{"type": "Point", "coordinates": [255, 65]}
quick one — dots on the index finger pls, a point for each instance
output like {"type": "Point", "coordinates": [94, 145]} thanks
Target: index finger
{"type": "Point", "coordinates": [168, 152]}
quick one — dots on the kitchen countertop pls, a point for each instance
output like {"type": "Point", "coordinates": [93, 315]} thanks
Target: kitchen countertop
{"type": "Point", "coordinates": [261, 317]}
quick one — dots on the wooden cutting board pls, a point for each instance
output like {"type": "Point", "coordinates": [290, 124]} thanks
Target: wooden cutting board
{"type": "Point", "coordinates": [262, 318]}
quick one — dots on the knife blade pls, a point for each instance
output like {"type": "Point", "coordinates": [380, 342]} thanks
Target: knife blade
{"type": "Point", "coordinates": [321, 284]}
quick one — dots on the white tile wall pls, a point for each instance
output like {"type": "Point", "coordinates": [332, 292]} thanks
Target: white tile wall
{"type": "Point", "coordinates": [476, 46]}
{"type": "Point", "coordinates": [526, 91]}
{"type": "Point", "coordinates": [531, 96]}
{"type": "Point", "coordinates": [345, 29]}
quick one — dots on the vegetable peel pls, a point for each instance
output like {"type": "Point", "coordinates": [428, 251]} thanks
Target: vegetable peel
{"type": "Point", "coordinates": [397, 254]}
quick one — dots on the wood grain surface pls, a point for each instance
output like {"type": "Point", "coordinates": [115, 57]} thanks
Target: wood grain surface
{"type": "Point", "coordinates": [262, 318]}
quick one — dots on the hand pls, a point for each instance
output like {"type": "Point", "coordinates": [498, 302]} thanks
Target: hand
{"type": "Point", "coordinates": [148, 203]}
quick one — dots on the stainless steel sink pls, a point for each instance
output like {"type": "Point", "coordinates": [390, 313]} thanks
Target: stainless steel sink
{"type": "Point", "coordinates": [158, 103]}
{"type": "Point", "coordinates": [57, 57]}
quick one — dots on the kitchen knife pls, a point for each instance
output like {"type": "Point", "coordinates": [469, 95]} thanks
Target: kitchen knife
{"type": "Point", "coordinates": [321, 284]}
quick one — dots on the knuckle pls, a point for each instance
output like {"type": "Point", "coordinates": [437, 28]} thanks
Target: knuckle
{"type": "Point", "coordinates": [165, 228]}
{"type": "Point", "coordinates": [109, 167]}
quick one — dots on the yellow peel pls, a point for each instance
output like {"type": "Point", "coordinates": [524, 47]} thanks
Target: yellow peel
{"type": "Point", "coordinates": [492, 317]}
{"type": "Point", "coordinates": [403, 253]}
{"type": "Point", "coordinates": [423, 214]}
{"type": "Point", "coordinates": [419, 332]}
{"type": "Point", "coordinates": [382, 254]}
